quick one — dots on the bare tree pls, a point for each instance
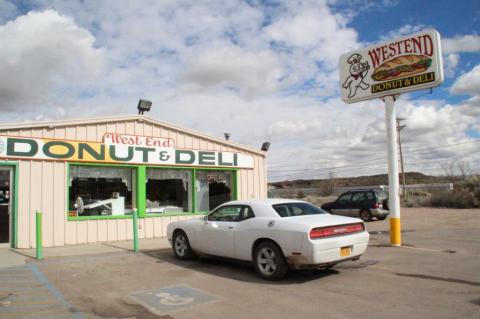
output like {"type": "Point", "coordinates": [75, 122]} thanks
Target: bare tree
{"type": "Point", "coordinates": [464, 168]}
{"type": "Point", "coordinates": [449, 169]}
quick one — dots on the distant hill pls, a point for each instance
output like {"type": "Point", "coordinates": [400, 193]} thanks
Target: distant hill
{"type": "Point", "coordinates": [382, 179]}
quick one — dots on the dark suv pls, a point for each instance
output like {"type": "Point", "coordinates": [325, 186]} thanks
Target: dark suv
{"type": "Point", "coordinates": [363, 203]}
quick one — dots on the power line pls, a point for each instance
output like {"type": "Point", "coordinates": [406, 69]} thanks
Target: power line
{"type": "Point", "coordinates": [374, 159]}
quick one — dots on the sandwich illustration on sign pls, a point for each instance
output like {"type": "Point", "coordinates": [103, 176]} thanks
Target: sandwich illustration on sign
{"type": "Point", "coordinates": [401, 66]}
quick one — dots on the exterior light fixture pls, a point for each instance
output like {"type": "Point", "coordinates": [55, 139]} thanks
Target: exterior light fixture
{"type": "Point", "coordinates": [265, 146]}
{"type": "Point", "coordinates": [144, 106]}
{"type": "Point", "coordinates": [227, 136]}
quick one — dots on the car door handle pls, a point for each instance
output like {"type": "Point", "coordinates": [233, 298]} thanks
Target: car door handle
{"type": "Point", "coordinates": [231, 227]}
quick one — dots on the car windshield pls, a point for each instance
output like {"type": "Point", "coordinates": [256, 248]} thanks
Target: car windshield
{"type": "Point", "coordinates": [297, 209]}
{"type": "Point", "coordinates": [381, 194]}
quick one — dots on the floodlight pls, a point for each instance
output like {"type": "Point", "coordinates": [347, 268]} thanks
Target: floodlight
{"type": "Point", "coordinates": [265, 146]}
{"type": "Point", "coordinates": [144, 106]}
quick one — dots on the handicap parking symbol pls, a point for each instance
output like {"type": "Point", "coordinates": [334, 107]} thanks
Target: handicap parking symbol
{"type": "Point", "coordinates": [171, 299]}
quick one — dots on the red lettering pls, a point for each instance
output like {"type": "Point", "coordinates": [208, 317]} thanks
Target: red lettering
{"type": "Point", "coordinates": [149, 142]}
{"type": "Point", "coordinates": [417, 47]}
{"type": "Point", "coordinates": [384, 52]}
{"type": "Point", "coordinates": [107, 136]}
{"type": "Point", "coordinates": [391, 46]}
{"type": "Point", "coordinates": [427, 48]}
{"type": "Point", "coordinates": [399, 48]}
{"type": "Point", "coordinates": [408, 49]}
{"type": "Point", "coordinates": [375, 57]}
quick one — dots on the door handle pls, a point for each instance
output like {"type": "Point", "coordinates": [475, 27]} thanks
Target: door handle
{"type": "Point", "coordinates": [230, 227]}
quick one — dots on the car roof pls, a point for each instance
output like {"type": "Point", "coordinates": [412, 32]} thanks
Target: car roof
{"type": "Point", "coordinates": [265, 201]}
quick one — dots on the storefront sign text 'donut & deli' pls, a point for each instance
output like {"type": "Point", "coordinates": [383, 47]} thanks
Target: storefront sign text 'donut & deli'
{"type": "Point", "coordinates": [118, 148]}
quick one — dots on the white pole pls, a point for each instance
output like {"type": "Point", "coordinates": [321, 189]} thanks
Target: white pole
{"type": "Point", "coordinates": [393, 184]}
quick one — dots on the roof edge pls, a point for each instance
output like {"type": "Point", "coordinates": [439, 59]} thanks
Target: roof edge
{"type": "Point", "coordinates": [140, 118]}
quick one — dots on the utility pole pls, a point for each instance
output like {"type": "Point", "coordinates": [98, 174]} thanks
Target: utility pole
{"type": "Point", "coordinates": [399, 128]}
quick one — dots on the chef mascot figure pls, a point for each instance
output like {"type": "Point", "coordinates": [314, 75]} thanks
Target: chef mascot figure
{"type": "Point", "coordinates": [358, 71]}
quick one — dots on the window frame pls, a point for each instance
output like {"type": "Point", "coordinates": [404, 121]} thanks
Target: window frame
{"type": "Point", "coordinates": [241, 216]}
{"type": "Point", "coordinates": [141, 186]}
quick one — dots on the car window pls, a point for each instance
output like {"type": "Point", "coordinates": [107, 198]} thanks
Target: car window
{"type": "Point", "coordinates": [344, 199]}
{"type": "Point", "coordinates": [247, 213]}
{"type": "Point", "coordinates": [297, 209]}
{"type": "Point", "coordinates": [370, 196]}
{"type": "Point", "coordinates": [226, 214]}
{"type": "Point", "coordinates": [358, 197]}
{"type": "Point", "coordinates": [381, 195]}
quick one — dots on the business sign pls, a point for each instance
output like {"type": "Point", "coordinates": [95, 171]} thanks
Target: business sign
{"type": "Point", "coordinates": [409, 63]}
{"type": "Point", "coordinates": [118, 148]}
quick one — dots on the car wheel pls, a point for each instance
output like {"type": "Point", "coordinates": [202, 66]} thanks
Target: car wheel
{"type": "Point", "coordinates": [269, 261]}
{"type": "Point", "coordinates": [365, 215]}
{"type": "Point", "coordinates": [382, 217]}
{"type": "Point", "coordinates": [181, 246]}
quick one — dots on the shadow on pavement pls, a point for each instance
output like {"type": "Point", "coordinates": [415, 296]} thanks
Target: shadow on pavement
{"type": "Point", "coordinates": [237, 270]}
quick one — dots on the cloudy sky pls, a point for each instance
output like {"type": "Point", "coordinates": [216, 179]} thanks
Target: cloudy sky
{"type": "Point", "coordinates": [262, 70]}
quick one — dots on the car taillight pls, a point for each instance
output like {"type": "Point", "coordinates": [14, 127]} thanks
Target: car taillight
{"type": "Point", "coordinates": [336, 230]}
{"type": "Point", "coordinates": [378, 205]}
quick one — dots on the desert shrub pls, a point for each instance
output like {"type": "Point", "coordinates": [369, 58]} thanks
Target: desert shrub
{"type": "Point", "coordinates": [423, 200]}
{"type": "Point", "coordinates": [300, 194]}
{"type": "Point", "coordinates": [464, 195]}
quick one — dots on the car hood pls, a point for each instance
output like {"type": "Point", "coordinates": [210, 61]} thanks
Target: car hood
{"type": "Point", "coordinates": [321, 220]}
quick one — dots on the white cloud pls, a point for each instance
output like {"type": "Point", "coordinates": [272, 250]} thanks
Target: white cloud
{"type": "Point", "coordinates": [261, 72]}
{"type": "Point", "coordinates": [404, 30]}
{"type": "Point", "coordinates": [450, 64]}
{"type": "Point", "coordinates": [315, 29]}
{"type": "Point", "coordinates": [465, 43]}
{"type": "Point", "coordinates": [468, 83]}
{"type": "Point", "coordinates": [39, 50]}
{"type": "Point", "coordinates": [250, 72]}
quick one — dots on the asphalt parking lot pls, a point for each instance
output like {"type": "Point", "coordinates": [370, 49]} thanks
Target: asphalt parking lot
{"type": "Point", "coordinates": [436, 274]}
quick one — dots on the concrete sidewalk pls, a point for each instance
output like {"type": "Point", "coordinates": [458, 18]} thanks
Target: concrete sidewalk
{"type": "Point", "coordinates": [10, 257]}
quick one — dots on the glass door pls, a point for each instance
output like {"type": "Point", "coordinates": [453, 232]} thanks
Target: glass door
{"type": "Point", "coordinates": [5, 203]}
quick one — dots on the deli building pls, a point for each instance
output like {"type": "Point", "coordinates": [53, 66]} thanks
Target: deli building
{"type": "Point", "coordinates": [87, 177]}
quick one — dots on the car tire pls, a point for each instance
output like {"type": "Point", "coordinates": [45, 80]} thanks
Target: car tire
{"type": "Point", "coordinates": [269, 261]}
{"type": "Point", "coordinates": [181, 246]}
{"type": "Point", "coordinates": [382, 217]}
{"type": "Point", "coordinates": [365, 215]}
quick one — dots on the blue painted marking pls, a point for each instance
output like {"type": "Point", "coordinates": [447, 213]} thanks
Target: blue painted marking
{"type": "Point", "coordinates": [58, 295]}
{"type": "Point", "coordinates": [22, 288]}
{"type": "Point", "coordinates": [171, 299]}
{"type": "Point", "coordinates": [15, 308]}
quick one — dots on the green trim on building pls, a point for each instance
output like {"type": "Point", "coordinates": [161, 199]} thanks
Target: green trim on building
{"type": "Point", "coordinates": [141, 190]}
{"type": "Point", "coordinates": [14, 226]}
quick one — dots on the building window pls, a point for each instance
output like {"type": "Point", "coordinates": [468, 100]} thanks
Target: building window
{"type": "Point", "coordinates": [100, 191]}
{"type": "Point", "coordinates": [213, 188]}
{"type": "Point", "coordinates": [169, 190]}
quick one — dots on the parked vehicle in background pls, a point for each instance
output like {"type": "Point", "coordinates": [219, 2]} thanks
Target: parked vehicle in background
{"type": "Point", "coordinates": [364, 203]}
{"type": "Point", "coordinates": [274, 234]}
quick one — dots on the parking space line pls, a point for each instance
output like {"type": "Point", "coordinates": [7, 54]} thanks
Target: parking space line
{"type": "Point", "coordinates": [54, 291]}
{"type": "Point", "coordinates": [23, 307]}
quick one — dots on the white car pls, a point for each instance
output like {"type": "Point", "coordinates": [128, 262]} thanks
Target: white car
{"type": "Point", "coordinates": [275, 234]}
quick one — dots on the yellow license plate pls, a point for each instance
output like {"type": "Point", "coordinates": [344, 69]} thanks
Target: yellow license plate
{"type": "Point", "coordinates": [345, 251]}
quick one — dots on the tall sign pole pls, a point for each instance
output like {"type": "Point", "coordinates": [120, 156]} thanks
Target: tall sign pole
{"type": "Point", "coordinates": [393, 184]}
{"type": "Point", "coordinates": [409, 63]}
